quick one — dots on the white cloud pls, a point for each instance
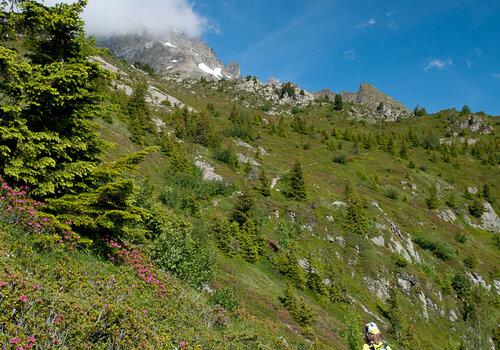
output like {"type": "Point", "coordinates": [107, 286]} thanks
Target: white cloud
{"type": "Point", "coordinates": [368, 24]}
{"type": "Point", "coordinates": [496, 76]}
{"type": "Point", "coordinates": [435, 63]}
{"type": "Point", "coordinates": [107, 17]}
{"type": "Point", "coordinates": [351, 55]}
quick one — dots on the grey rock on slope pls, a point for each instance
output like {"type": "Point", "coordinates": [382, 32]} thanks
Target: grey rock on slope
{"type": "Point", "coordinates": [371, 98]}
{"type": "Point", "coordinates": [175, 53]}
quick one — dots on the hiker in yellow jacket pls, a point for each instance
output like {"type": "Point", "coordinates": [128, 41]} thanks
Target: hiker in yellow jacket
{"type": "Point", "coordinates": [373, 338]}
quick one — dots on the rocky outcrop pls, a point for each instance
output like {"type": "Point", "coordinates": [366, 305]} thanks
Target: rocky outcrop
{"type": "Point", "coordinates": [173, 54]}
{"type": "Point", "coordinates": [380, 106]}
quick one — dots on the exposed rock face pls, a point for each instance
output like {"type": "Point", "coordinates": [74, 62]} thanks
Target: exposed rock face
{"type": "Point", "coordinates": [380, 287]}
{"type": "Point", "coordinates": [175, 53]}
{"type": "Point", "coordinates": [325, 94]}
{"type": "Point", "coordinates": [380, 105]}
{"type": "Point", "coordinates": [275, 91]}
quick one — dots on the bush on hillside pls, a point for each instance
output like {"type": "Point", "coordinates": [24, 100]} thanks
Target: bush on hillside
{"type": "Point", "coordinates": [440, 249]}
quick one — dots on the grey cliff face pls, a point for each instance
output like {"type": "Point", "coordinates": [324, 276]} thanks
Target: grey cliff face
{"type": "Point", "coordinates": [173, 54]}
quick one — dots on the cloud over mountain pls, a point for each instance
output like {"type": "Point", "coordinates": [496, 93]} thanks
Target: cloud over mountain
{"type": "Point", "coordinates": [107, 17]}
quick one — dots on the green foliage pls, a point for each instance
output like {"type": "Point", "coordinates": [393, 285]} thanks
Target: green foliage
{"type": "Point", "coordinates": [195, 127]}
{"type": "Point", "coordinates": [108, 208]}
{"type": "Point", "coordinates": [47, 132]}
{"type": "Point", "coordinates": [297, 307]}
{"type": "Point", "coordinates": [488, 194]}
{"type": "Point", "coordinates": [287, 89]}
{"type": "Point", "coordinates": [145, 67]}
{"type": "Point", "coordinates": [184, 252]}
{"type": "Point", "coordinates": [241, 125]}
{"type": "Point", "coordinates": [338, 104]}
{"type": "Point", "coordinates": [226, 155]}
{"type": "Point", "coordinates": [352, 333]}
{"type": "Point", "coordinates": [225, 298]}
{"type": "Point", "coordinates": [461, 285]}
{"type": "Point", "coordinates": [340, 158]}
{"type": "Point", "coordinates": [401, 328]}
{"type": "Point", "coordinates": [392, 193]}
{"type": "Point", "coordinates": [356, 216]}
{"type": "Point", "coordinates": [138, 112]}
{"type": "Point", "coordinates": [432, 201]}
{"type": "Point", "coordinates": [419, 111]}
{"type": "Point", "coordinates": [476, 207]}
{"type": "Point", "coordinates": [439, 248]}
{"type": "Point", "coordinates": [286, 262]}
{"type": "Point", "coordinates": [299, 125]}
{"type": "Point", "coordinates": [264, 184]}
{"type": "Point", "coordinates": [296, 187]}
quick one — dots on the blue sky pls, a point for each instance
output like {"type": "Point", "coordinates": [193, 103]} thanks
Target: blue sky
{"type": "Point", "coordinates": [438, 54]}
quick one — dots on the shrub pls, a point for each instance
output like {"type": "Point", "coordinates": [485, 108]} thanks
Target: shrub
{"type": "Point", "coordinates": [225, 298]}
{"type": "Point", "coordinates": [392, 193]}
{"type": "Point", "coordinates": [187, 257]}
{"type": "Point", "coordinates": [476, 207]}
{"type": "Point", "coordinates": [297, 307]}
{"type": "Point", "coordinates": [352, 333]}
{"type": "Point", "coordinates": [432, 201]}
{"type": "Point", "coordinates": [286, 263]}
{"type": "Point", "coordinates": [440, 249]}
{"type": "Point", "coordinates": [462, 285]}
{"type": "Point", "coordinates": [340, 158]}
{"type": "Point", "coordinates": [226, 155]}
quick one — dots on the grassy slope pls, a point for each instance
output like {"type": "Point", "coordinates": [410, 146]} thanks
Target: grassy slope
{"type": "Point", "coordinates": [258, 286]}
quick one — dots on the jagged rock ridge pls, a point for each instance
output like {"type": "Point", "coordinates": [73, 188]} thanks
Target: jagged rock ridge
{"type": "Point", "coordinates": [175, 53]}
{"type": "Point", "coordinates": [381, 106]}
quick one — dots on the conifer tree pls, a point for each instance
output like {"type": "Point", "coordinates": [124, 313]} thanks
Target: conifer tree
{"type": "Point", "coordinates": [338, 105]}
{"type": "Point", "coordinates": [356, 216]}
{"type": "Point", "coordinates": [432, 200]}
{"type": "Point", "coordinates": [296, 184]}
{"type": "Point", "coordinates": [138, 112]}
{"type": "Point", "coordinates": [264, 186]}
{"type": "Point", "coordinates": [48, 137]}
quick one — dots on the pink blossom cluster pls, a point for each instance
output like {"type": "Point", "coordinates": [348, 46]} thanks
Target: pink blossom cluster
{"type": "Point", "coordinates": [17, 208]}
{"type": "Point", "coordinates": [13, 285]}
{"type": "Point", "coordinates": [144, 267]}
{"type": "Point", "coordinates": [23, 343]}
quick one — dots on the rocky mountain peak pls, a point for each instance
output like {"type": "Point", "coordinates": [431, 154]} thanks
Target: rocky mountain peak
{"type": "Point", "coordinates": [172, 54]}
{"type": "Point", "coordinates": [381, 106]}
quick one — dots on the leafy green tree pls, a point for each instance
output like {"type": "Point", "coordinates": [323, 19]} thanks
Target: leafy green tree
{"type": "Point", "coordinates": [338, 104]}
{"type": "Point", "coordinates": [401, 328]}
{"type": "Point", "coordinates": [296, 184]}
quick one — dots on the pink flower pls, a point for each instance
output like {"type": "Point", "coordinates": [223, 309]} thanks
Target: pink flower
{"type": "Point", "coordinates": [3, 284]}
{"type": "Point", "coordinates": [15, 340]}
{"type": "Point", "coordinates": [37, 287]}
{"type": "Point", "coordinates": [183, 344]}
{"type": "Point", "coordinates": [31, 339]}
{"type": "Point", "coordinates": [19, 348]}
{"type": "Point", "coordinates": [23, 298]}
{"type": "Point", "coordinates": [55, 341]}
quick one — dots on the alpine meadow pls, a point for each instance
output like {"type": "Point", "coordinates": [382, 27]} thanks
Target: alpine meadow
{"type": "Point", "coordinates": [152, 197]}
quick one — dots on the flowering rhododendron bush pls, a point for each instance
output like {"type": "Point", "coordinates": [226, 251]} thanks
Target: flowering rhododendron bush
{"type": "Point", "coordinates": [18, 209]}
{"type": "Point", "coordinates": [70, 299]}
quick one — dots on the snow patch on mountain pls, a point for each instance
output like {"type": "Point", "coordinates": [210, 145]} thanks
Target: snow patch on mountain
{"type": "Point", "coordinates": [217, 72]}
